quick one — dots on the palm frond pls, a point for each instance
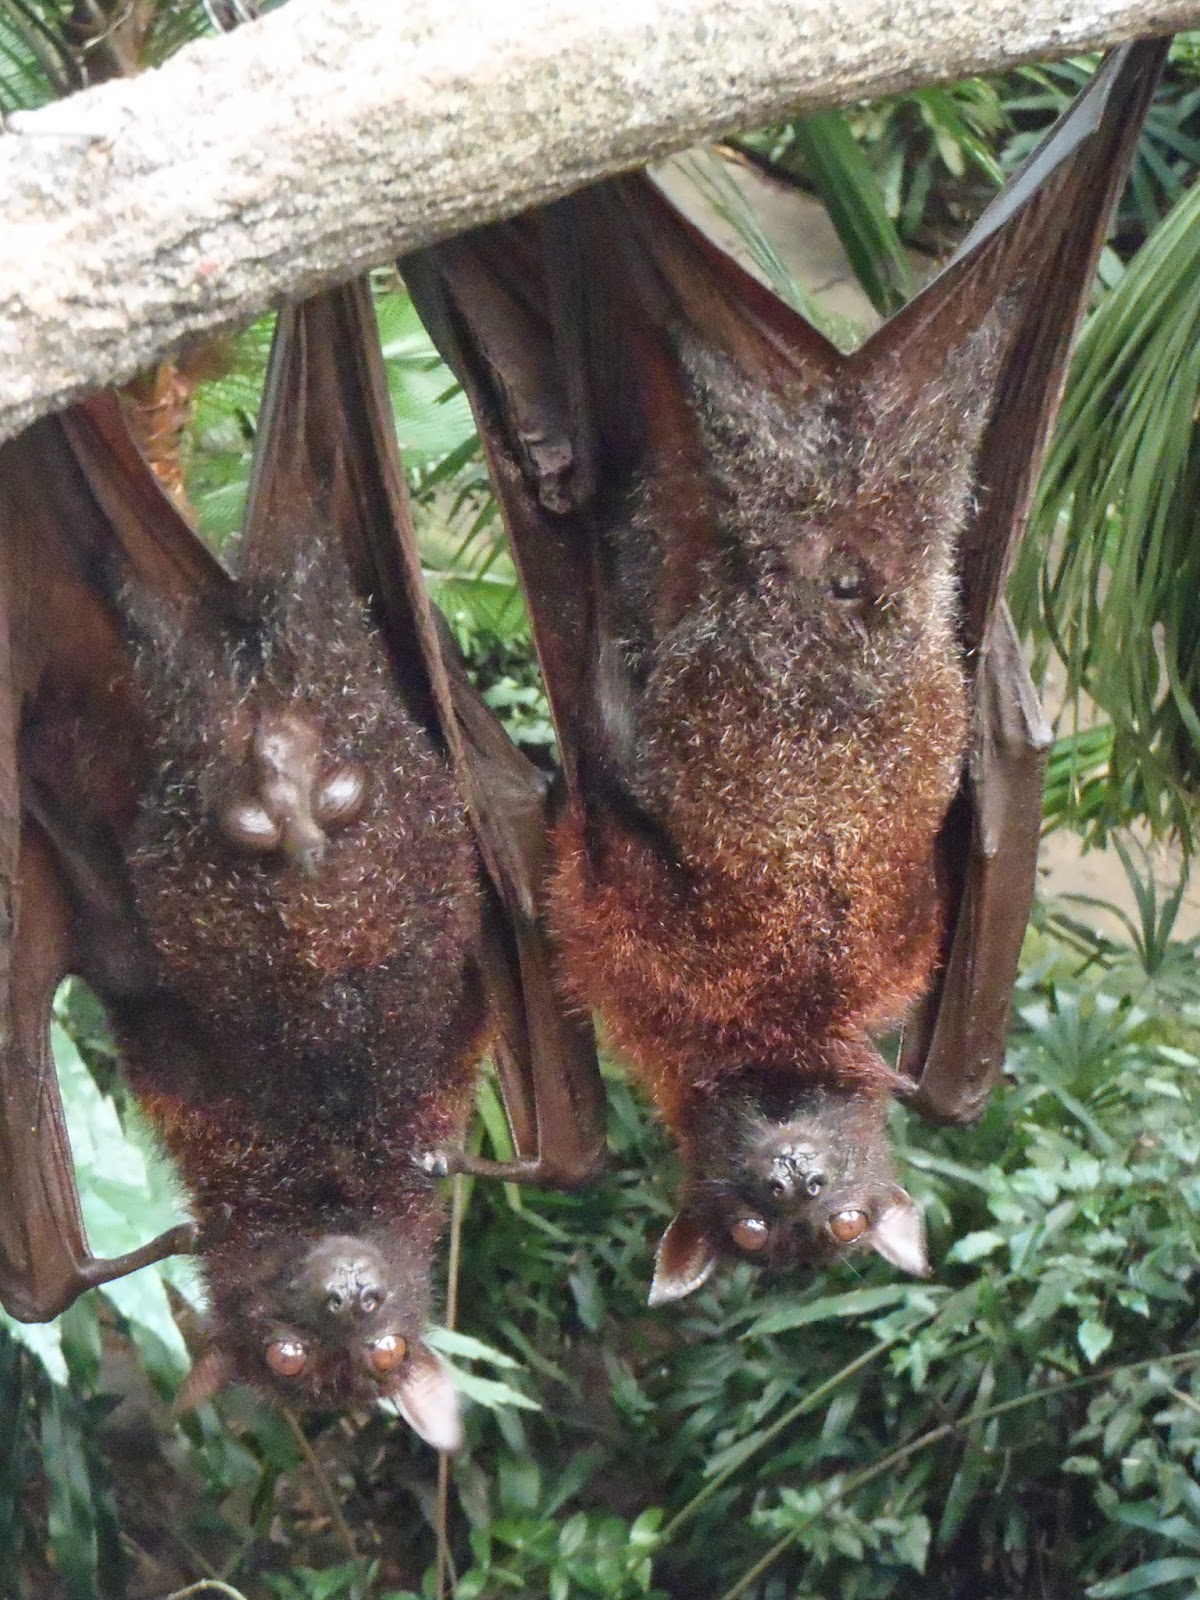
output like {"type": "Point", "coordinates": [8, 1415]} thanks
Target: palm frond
{"type": "Point", "coordinates": [710, 175]}
{"type": "Point", "coordinates": [1168, 152]}
{"type": "Point", "coordinates": [34, 67]}
{"type": "Point", "coordinates": [1114, 560]}
{"type": "Point", "coordinates": [844, 181]}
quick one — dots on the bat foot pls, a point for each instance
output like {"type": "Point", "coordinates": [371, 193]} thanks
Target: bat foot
{"type": "Point", "coordinates": [548, 1174]}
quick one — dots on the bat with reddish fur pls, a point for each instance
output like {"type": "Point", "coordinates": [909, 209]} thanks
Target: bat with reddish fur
{"type": "Point", "coordinates": [236, 808]}
{"type": "Point", "coordinates": [801, 754]}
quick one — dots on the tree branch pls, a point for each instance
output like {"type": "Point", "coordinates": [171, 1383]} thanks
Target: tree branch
{"type": "Point", "coordinates": [327, 138]}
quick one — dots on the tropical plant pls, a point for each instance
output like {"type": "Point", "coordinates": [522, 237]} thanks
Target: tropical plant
{"type": "Point", "coordinates": [1168, 153]}
{"type": "Point", "coordinates": [1112, 571]}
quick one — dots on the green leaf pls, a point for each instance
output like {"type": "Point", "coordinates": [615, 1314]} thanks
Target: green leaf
{"type": "Point", "coordinates": [911, 1544]}
{"type": "Point", "coordinates": [453, 1342]}
{"type": "Point", "coordinates": [854, 1303]}
{"type": "Point", "coordinates": [975, 1246]}
{"type": "Point", "coordinates": [127, 1195]}
{"type": "Point", "coordinates": [43, 1340]}
{"type": "Point", "coordinates": [71, 1510]}
{"type": "Point", "coordinates": [487, 1392]}
{"type": "Point", "coordinates": [1114, 553]}
{"type": "Point", "coordinates": [645, 1532]}
{"type": "Point", "coordinates": [1150, 1575]}
{"type": "Point", "coordinates": [843, 179]}
{"type": "Point", "coordinates": [1094, 1339]}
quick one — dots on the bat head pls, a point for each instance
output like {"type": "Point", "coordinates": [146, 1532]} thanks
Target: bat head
{"type": "Point", "coordinates": [332, 1322]}
{"type": "Point", "coordinates": [787, 1179]}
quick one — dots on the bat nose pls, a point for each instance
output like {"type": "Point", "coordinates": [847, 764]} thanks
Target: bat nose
{"type": "Point", "coordinates": [352, 1287]}
{"type": "Point", "coordinates": [792, 1179]}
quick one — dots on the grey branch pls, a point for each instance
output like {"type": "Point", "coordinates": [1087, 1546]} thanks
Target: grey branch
{"type": "Point", "coordinates": [149, 212]}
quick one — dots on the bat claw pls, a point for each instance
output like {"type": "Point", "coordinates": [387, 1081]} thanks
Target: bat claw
{"type": "Point", "coordinates": [436, 1163]}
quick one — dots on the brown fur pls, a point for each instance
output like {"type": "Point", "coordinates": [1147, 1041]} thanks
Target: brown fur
{"type": "Point", "coordinates": [798, 750]}
{"type": "Point", "coordinates": [296, 1038]}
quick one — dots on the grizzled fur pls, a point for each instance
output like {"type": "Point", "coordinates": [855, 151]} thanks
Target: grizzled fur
{"type": "Point", "coordinates": [798, 733]}
{"type": "Point", "coordinates": [304, 1034]}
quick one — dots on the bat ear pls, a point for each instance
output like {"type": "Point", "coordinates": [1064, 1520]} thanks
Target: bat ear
{"type": "Point", "coordinates": [685, 1258]}
{"type": "Point", "coordinates": [208, 1374]}
{"type": "Point", "coordinates": [428, 1401]}
{"type": "Point", "coordinates": [899, 1235]}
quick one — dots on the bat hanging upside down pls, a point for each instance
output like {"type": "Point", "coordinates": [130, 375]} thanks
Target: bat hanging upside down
{"type": "Point", "coordinates": [233, 810]}
{"type": "Point", "coordinates": [801, 756]}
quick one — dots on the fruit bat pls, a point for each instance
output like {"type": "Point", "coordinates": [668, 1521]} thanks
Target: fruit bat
{"type": "Point", "coordinates": [801, 757]}
{"type": "Point", "coordinates": [236, 808]}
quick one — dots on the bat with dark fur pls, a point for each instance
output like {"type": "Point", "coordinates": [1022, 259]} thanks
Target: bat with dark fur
{"type": "Point", "coordinates": [801, 755]}
{"type": "Point", "coordinates": [232, 807]}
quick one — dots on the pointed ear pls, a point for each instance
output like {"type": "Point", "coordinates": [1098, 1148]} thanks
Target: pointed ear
{"type": "Point", "coordinates": [899, 1235]}
{"type": "Point", "coordinates": [686, 1256]}
{"type": "Point", "coordinates": [428, 1401]}
{"type": "Point", "coordinates": [208, 1374]}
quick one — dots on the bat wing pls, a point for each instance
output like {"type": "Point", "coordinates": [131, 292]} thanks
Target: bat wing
{"type": "Point", "coordinates": [326, 438]}
{"type": "Point", "coordinates": [78, 510]}
{"type": "Point", "coordinates": [560, 327]}
{"type": "Point", "coordinates": [1037, 245]}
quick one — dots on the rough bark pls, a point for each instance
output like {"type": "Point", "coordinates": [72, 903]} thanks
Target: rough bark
{"type": "Point", "coordinates": [324, 138]}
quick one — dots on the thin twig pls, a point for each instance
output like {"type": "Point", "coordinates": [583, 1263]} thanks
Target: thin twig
{"type": "Point", "coordinates": [345, 1533]}
{"type": "Point", "coordinates": [176, 1538]}
{"type": "Point", "coordinates": [444, 1570]}
{"type": "Point", "coordinates": [207, 1586]}
{"type": "Point", "coordinates": [1185, 1399]}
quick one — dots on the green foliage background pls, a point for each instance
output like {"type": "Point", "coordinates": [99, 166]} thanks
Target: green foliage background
{"type": "Point", "coordinates": [1026, 1425]}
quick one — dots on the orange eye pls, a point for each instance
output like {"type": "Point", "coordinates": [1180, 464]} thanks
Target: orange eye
{"type": "Point", "coordinates": [385, 1355]}
{"type": "Point", "coordinates": [287, 1358]}
{"type": "Point", "coordinates": [846, 1226]}
{"type": "Point", "coordinates": [750, 1233]}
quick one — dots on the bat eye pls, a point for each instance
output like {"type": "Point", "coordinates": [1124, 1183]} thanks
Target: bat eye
{"type": "Point", "coordinates": [287, 1358]}
{"type": "Point", "coordinates": [846, 581]}
{"type": "Point", "coordinates": [846, 1226]}
{"type": "Point", "coordinates": [385, 1355]}
{"type": "Point", "coordinates": [750, 1233]}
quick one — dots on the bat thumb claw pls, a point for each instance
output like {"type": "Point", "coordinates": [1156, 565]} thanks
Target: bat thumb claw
{"type": "Point", "coordinates": [435, 1163]}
